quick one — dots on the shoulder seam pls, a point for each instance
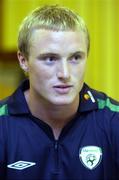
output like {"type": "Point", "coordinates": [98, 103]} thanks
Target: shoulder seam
{"type": "Point", "coordinates": [3, 110]}
{"type": "Point", "coordinates": [107, 103]}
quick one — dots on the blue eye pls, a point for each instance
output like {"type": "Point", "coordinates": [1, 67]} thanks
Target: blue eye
{"type": "Point", "coordinates": [76, 58]}
{"type": "Point", "coordinates": [50, 60]}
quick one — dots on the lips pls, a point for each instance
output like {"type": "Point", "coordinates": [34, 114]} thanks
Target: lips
{"type": "Point", "coordinates": [63, 86]}
{"type": "Point", "coordinates": [63, 89]}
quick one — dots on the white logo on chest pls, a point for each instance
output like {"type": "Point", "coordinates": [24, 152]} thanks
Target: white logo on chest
{"type": "Point", "coordinates": [20, 165]}
{"type": "Point", "coordinates": [90, 156]}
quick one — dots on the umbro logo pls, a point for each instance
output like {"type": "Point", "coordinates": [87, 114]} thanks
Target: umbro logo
{"type": "Point", "coordinates": [20, 165]}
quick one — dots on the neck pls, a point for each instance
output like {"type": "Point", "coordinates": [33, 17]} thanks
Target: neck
{"type": "Point", "coordinates": [56, 116]}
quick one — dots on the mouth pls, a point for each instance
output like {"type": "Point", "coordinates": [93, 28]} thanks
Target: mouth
{"type": "Point", "coordinates": [63, 89]}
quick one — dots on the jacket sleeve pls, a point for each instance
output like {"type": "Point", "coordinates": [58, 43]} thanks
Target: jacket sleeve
{"type": "Point", "coordinates": [2, 151]}
{"type": "Point", "coordinates": [115, 140]}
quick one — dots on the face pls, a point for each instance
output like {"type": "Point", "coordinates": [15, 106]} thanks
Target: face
{"type": "Point", "coordinates": [56, 65]}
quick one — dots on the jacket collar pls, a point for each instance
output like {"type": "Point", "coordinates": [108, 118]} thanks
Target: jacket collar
{"type": "Point", "coordinates": [17, 103]}
{"type": "Point", "coordinates": [88, 99]}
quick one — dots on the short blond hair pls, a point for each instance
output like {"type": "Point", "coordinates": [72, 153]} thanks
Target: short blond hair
{"type": "Point", "coordinates": [50, 17]}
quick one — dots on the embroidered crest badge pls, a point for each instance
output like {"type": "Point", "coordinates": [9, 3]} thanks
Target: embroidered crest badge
{"type": "Point", "coordinates": [90, 156]}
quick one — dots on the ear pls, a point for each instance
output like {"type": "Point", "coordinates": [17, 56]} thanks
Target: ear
{"type": "Point", "coordinates": [22, 61]}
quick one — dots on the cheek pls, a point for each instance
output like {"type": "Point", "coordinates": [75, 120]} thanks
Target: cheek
{"type": "Point", "coordinates": [38, 71]}
{"type": "Point", "coordinates": [78, 76]}
{"type": "Point", "coordinates": [41, 76]}
{"type": "Point", "coordinates": [79, 71]}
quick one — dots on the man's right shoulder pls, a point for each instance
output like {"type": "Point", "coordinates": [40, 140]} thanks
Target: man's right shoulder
{"type": "Point", "coordinates": [4, 107]}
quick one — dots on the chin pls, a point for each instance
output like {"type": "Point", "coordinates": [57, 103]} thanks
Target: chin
{"type": "Point", "coordinates": [62, 102]}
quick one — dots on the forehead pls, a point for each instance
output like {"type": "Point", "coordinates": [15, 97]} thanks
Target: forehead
{"type": "Point", "coordinates": [57, 40]}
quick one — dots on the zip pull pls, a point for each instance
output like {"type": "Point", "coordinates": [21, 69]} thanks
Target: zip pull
{"type": "Point", "coordinates": [56, 144]}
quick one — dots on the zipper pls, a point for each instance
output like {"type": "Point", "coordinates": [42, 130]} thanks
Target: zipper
{"type": "Point", "coordinates": [56, 151]}
{"type": "Point", "coordinates": [56, 145]}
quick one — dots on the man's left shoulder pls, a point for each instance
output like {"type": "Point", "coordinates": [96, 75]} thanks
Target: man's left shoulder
{"type": "Point", "coordinates": [105, 102]}
{"type": "Point", "coordinates": [3, 107]}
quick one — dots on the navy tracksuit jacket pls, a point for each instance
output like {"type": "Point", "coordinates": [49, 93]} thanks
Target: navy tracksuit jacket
{"type": "Point", "coordinates": [87, 149]}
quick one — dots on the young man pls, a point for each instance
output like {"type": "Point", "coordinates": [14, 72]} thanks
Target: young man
{"type": "Point", "coordinates": [54, 126]}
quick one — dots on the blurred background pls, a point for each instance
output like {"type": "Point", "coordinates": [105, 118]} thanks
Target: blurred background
{"type": "Point", "coordinates": [102, 18]}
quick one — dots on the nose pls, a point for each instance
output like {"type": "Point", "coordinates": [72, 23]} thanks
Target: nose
{"type": "Point", "coordinates": [63, 72]}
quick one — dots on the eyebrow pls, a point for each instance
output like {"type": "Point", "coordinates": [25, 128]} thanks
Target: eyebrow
{"type": "Point", "coordinates": [42, 55]}
{"type": "Point", "coordinates": [46, 54]}
{"type": "Point", "coordinates": [77, 52]}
